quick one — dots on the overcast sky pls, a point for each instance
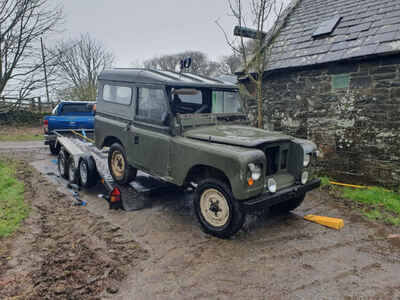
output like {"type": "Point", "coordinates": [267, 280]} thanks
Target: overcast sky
{"type": "Point", "coordinates": [136, 30]}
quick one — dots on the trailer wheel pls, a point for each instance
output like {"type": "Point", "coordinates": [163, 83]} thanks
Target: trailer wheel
{"type": "Point", "coordinates": [218, 212]}
{"type": "Point", "coordinates": [72, 170]}
{"type": "Point", "coordinates": [118, 165]}
{"type": "Point", "coordinates": [54, 148]}
{"type": "Point", "coordinates": [87, 172]}
{"type": "Point", "coordinates": [62, 164]}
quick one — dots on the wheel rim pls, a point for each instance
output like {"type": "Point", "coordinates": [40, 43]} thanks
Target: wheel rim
{"type": "Point", "coordinates": [61, 164]}
{"type": "Point", "coordinates": [83, 172]}
{"type": "Point", "coordinates": [71, 171]}
{"type": "Point", "coordinates": [214, 207]}
{"type": "Point", "coordinates": [118, 164]}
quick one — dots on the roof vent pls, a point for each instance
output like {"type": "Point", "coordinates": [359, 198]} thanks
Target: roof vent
{"type": "Point", "coordinates": [327, 27]}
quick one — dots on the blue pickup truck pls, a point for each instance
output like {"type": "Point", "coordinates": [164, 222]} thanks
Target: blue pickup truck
{"type": "Point", "coordinates": [66, 116]}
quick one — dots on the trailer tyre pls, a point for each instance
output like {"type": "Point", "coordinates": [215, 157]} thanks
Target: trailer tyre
{"type": "Point", "coordinates": [118, 165]}
{"type": "Point", "coordinates": [72, 170]}
{"type": "Point", "coordinates": [217, 211]}
{"type": "Point", "coordinates": [88, 175]}
{"type": "Point", "coordinates": [54, 148]}
{"type": "Point", "coordinates": [62, 164]}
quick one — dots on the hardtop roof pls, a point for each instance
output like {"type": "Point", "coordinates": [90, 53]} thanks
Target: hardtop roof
{"type": "Point", "coordinates": [170, 78]}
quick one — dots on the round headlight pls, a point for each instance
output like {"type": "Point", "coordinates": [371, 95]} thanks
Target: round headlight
{"type": "Point", "coordinates": [272, 185]}
{"type": "Point", "coordinates": [307, 160]}
{"type": "Point", "coordinates": [304, 177]}
{"type": "Point", "coordinates": [255, 171]}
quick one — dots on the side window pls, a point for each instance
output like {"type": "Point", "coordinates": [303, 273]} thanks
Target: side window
{"type": "Point", "coordinates": [152, 104]}
{"type": "Point", "coordinates": [117, 94]}
{"type": "Point", "coordinates": [225, 102]}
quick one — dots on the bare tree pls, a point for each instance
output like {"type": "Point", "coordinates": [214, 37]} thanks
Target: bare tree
{"type": "Point", "coordinates": [255, 55]}
{"type": "Point", "coordinates": [79, 62]}
{"type": "Point", "coordinates": [201, 64]}
{"type": "Point", "coordinates": [22, 23]}
{"type": "Point", "coordinates": [229, 64]}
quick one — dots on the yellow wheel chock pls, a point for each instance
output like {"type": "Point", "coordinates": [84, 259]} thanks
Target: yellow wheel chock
{"type": "Point", "coordinates": [326, 221]}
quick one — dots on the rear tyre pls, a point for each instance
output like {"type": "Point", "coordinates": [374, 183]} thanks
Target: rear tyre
{"type": "Point", "coordinates": [88, 175]}
{"type": "Point", "coordinates": [289, 205]}
{"type": "Point", "coordinates": [54, 148]}
{"type": "Point", "coordinates": [217, 211]}
{"type": "Point", "coordinates": [118, 165]}
{"type": "Point", "coordinates": [72, 170]}
{"type": "Point", "coordinates": [62, 164]}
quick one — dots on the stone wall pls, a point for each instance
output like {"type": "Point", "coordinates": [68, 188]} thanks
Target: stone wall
{"type": "Point", "coordinates": [351, 111]}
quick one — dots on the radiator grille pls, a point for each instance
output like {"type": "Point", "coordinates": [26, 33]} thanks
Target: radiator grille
{"type": "Point", "coordinates": [277, 158]}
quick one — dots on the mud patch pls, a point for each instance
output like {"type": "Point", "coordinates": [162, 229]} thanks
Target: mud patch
{"type": "Point", "coordinates": [63, 251]}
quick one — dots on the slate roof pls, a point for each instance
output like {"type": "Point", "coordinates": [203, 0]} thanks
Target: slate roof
{"type": "Point", "coordinates": [367, 27]}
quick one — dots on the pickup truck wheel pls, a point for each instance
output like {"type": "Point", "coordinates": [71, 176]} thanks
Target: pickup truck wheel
{"type": "Point", "coordinates": [118, 165]}
{"type": "Point", "coordinates": [87, 172]}
{"type": "Point", "coordinates": [54, 148]}
{"type": "Point", "coordinates": [218, 212]}
{"type": "Point", "coordinates": [62, 164]}
{"type": "Point", "coordinates": [289, 205]}
{"type": "Point", "coordinates": [72, 170]}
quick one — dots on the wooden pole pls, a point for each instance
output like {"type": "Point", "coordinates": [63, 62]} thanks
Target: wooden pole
{"type": "Point", "coordinates": [40, 103]}
{"type": "Point", "coordinates": [45, 71]}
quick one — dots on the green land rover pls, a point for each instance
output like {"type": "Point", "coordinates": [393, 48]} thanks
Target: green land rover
{"type": "Point", "coordinates": [190, 131]}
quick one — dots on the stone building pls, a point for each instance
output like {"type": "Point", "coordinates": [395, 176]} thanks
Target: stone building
{"type": "Point", "coordinates": [334, 77]}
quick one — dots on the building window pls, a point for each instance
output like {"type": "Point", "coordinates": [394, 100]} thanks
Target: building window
{"type": "Point", "coordinates": [340, 81]}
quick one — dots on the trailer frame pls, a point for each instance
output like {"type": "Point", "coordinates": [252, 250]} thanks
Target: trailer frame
{"type": "Point", "coordinates": [132, 196]}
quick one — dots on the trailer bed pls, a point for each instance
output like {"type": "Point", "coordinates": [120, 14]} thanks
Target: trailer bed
{"type": "Point", "coordinates": [132, 194]}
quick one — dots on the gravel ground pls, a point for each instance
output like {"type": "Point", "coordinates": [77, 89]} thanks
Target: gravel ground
{"type": "Point", "coordinates": [273, 257]}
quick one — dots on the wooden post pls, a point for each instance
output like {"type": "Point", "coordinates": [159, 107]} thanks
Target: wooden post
{"type": "Point", "coordinates": [45, 71]}
{"type": "Point", "coordinates": [40, 104]}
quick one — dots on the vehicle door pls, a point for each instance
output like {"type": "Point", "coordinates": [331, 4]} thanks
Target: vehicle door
{"type": "Point", "coordinates": [149, 138]}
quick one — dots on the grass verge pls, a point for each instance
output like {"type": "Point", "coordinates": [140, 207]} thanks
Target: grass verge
{"type": "Point", "coordinates": [377, 203]}
{"type": "Point", "coordinates": [12, 206]}
{"type": "Point", "coordinates": [20, 134]}
{"type": "Point", "coordinates": [21, 138]}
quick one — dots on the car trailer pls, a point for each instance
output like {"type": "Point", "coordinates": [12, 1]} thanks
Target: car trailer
{"type": "Point", "coordinates": [83, 164]}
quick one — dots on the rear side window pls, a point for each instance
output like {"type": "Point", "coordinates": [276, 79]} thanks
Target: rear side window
{"type": "Point", "coordinates": [152, 104]}
{"type": "Point", "coordinates": [76, 108]}
{"type": "Point", "coordinates": [117, 94]}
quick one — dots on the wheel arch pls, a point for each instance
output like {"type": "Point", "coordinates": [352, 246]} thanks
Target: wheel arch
{"type": "Point", "coordinates": [199, 172]}
{"type": "Point", "coordinates": [109, 140]}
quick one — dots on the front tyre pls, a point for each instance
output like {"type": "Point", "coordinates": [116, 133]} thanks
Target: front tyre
{"type": "Point", "coordinates": [118, 165]}
{"type": "Point", "coordinates": [218, 212]}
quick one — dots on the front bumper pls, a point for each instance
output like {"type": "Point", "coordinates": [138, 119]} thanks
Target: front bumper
{"type": "Point", "coordinates": [267, 199]}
